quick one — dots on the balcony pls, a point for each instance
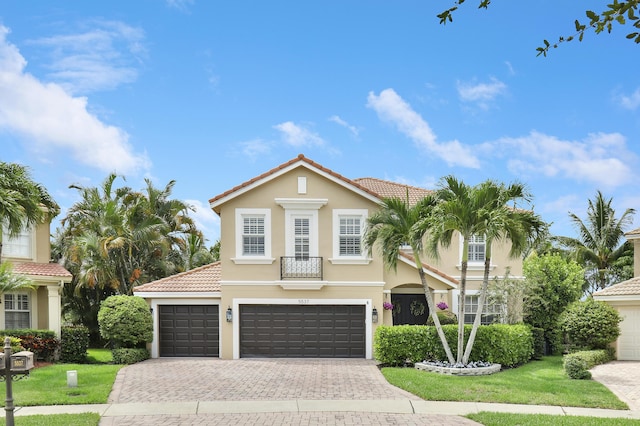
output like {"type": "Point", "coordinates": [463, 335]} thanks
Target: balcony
{"type": "Point", "coordinates": [301, 267]}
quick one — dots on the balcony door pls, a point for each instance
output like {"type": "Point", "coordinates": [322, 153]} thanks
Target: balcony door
{"type": "Point", "coordinates": [302, 244]}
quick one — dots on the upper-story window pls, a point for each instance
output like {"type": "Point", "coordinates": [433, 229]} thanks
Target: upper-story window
{"type": "Point", "coordinates": [348, 229]}
{"type": "Point", "coordinates": [18, 246]}
{"type": "Point", "coordinates": [477, 248]}
{"type": "Point", "coordinates": [350, 236]}
{"type": "Point", "coordinates": [253, 236]}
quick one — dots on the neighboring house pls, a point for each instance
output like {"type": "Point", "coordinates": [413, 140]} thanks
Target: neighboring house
{"type": "Point", "coordinates": [40, 308]}
{"type": "Point", "coordinates": [295, 280]}
{"type": "Point", "coordinates": [625, 297]}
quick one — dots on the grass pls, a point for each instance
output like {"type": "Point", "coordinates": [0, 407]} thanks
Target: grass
{"type": "Point", "coordinates": [536, 383]}
{"type": "Point", "coordinates": [508, 419]}
{"type": "Point", "coordinates": [48, 385]}
{"type": "Point", "coordinates": [84, 419]}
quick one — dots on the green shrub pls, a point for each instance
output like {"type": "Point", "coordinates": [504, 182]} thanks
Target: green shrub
{"type": "Point", "coordinates": [538, 342]}
{"type": "Point", "coordinates": [43, 348]}
{"type": "Point", "coordinates": [129, 355]}
{"type": "Point", "coordinates": [590, 324]}
{"type": "Point", "coordinates": [509, 345]}
{"type": "Point", "coordinates": [126, 321]}
{"type": "Point", "coordinates": [16, 346]}
{"type": "Point", "coordinates": [576, 367]}
{"type": "Point", "coordinates": [74, 344]}
{"type": "Point", "coordinates": [445, 318]}
{"type": "Point", "coordinates": [45, 334]}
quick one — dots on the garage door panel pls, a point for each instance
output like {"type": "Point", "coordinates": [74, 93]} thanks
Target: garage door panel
{"type": "Point", "coordinates": [302, 331]}
{"type": "Point", "coordinates": [629, 340]}
{"type": "Point", "coordinates": [189, 330]}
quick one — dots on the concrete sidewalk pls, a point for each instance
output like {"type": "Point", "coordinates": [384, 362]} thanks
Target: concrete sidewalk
{"type": "Point", "coordinates": [395, 406]}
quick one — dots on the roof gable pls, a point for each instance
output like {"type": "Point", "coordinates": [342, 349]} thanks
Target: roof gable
{"type": "Point", "coordinates": [626, 288]}
{"type": "Point", "coordinates": [387, 189]}
{"type": "Point", "coordinates": [300, 161]}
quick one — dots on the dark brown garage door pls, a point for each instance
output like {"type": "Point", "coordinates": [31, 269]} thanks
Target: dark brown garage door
{"type": "Point", "coordinates": [189, 330]}
{"type": "Point", "coordinates": [302, 331]}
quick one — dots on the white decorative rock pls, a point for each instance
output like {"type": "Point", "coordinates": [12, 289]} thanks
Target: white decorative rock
{"type": "Point", "coordinates": [478, 371]}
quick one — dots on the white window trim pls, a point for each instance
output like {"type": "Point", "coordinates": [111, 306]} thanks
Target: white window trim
{"type": "Point", "coordinates": [289, 231]}
{"type": "Point", "coordinates": [32, 244]}
{"type": "Point", "coordinates": [363, 259]}
{"type": "Point", "coordinates": [455, 300]}
{"type": "Point", "coordinates": [475, 265]}
{"type": "Point", "coordinates": [30, 310]}
{"type": "Point", "coordinates": [242, 259]}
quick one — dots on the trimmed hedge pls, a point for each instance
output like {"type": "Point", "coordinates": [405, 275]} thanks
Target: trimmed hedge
{"type": "Point", "coordinates": [129, 355]}
{"type": "Point", "coordinates": [509, 345]}
{"type": "Point", "coordinates": [74, 344]}
{"type": "Point", "coordinates": [538, 342]}
{"type": "Point", "coordinates": [578, 364]}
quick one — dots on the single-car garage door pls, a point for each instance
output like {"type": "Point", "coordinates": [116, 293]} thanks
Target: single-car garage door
{"type": "Point", "coordinates": [189, 330]}
{"type": "Point", "coordinates": [302, 331]}
{"type": "Point", "coordinates": [629, 340]}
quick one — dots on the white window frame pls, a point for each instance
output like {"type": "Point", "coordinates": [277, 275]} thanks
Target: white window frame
{"type": "Point", "coordinates": [241, 258]}
{"type": "Point", "coordinates": [497, 308]}
{"type": "Point", "coordinates": [473, 265]}
{"type": "Point", "coordinates": [24, 239]}
{"type": "Point", "coordinates": [361, 259]}
{"type": "Point", "coordinates": [16, 301]}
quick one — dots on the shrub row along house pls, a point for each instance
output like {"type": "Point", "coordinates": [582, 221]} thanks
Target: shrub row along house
{"type": "Point", "coordinates": [295, 280]}
{"type": "Point", "coordinates": [39, 307]}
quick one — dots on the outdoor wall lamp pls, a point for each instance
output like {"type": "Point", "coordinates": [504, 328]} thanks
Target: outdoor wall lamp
{"type": "Point", "coordinates": [229, 314]}
{"type": "Point", "coordinates": [374, 315]}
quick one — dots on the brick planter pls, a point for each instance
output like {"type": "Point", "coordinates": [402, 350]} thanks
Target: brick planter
{"type": "Point", "coordinates": [480, 371]}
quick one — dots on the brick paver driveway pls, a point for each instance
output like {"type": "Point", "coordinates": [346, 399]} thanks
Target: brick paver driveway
{"type": "Point", "coordinates": [181, 380]}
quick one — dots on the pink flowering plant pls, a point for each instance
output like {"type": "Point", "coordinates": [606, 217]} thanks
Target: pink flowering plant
{"type": "Point", "coordinates": [387, 305]}
{"type": "Point", "coordinates": [442, 306]}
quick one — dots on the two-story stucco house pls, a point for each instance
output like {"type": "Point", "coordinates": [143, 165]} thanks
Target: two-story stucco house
{"type": "Point", "coordinates": [30, 255]}
{"type": "Point", "coordinates": [294, 279]}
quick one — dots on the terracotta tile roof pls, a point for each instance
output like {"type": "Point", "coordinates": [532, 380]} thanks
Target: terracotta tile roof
{"type": "Point", "coordinates": [299, 158]}
{"type": "Point", "coordinates": [410, 257]}
{"type": "Point", "coordinates": [387, 189]}
{"type": "Point", "coordinates": [633, 234]}
{"type": "Point", "coordinates": [626, 288]}
{"type": "Point", "coordinates": [203, 279]}
{"type": "Point", "coordinates": [41, 269]}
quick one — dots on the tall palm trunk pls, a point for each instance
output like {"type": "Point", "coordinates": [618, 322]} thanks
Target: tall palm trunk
{"type": "Point", "coordinates": [433, 313]}
{"type": "Point", "coordinates": [463, 293]}
{"type": "Point", "coordinates": [481, 301]}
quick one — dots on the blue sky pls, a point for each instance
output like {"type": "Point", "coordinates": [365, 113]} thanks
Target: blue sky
{"type": "Point", "coordinates": [211, 94]}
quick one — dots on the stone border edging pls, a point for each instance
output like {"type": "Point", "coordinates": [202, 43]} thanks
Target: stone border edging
{"type": "Point", "coordinates": [453, 371]}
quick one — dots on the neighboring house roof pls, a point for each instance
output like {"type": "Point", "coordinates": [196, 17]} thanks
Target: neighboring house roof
{"type": "Point", "coordinates": [201, 280]}
{"type": "Point", "coordinates": [626, 288]}
{"type": "Point", "coordinates": [387, 189]}
{"type": "Point", "coordinates": [412, 262]}
{"type": "Point", "coordinates": [42, 269]}
{"type": "Point", "coordinates": [300, 160]}
{"type": "Point", "coordinates": [633, 234]}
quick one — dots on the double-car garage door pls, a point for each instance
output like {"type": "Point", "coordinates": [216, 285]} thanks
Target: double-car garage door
{"type": "Point", "coordinates": [302, 331]}
{"type": "Point", "coordinates": [268, 331]}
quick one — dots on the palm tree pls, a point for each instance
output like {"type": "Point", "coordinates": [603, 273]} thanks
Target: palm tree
{"type": "Point", "coordinates": [391, 227]}
{"type": "Point", "coordinates": [481, 210]}
{"type": "Point", "coordinates": [10, 281]}
{"type": "Point", "coordinates": [599, 244]}
{"type": "Point", "coordinates": [502, 222]}
{"type": "Point", "coordinates": [23, 202]}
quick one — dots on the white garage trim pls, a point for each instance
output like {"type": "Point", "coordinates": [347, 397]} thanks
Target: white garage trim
{"type": "Point", "coordinates": [155, 312]}
{"type": "Point", "coordinates": [367, 312]}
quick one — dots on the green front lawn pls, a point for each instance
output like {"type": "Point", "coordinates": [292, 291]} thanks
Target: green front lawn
{"type": "Point", "coordinates": [536, 383]}
{"type": "Point", "coordinates": [48, 385]}
{"type": "Point", "coordinates": [85, 419]}
{"type": "Point", "coordinates": [508, 419]}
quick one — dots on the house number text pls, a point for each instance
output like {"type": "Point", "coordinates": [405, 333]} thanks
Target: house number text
{"type": "Point", "coordinates": [303, 301]}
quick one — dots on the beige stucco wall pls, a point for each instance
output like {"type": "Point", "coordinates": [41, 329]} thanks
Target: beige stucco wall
{"type": "Point", "coordinates": [636, 257]}
{"type": "Point", "coordinates": [286, 186]}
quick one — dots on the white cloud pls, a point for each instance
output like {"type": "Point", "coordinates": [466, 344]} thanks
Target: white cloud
{"type": "Point", "coordinates": [392, 108]}
{"type": "Point", "coordinates": [255, 148]}
{"type": "Point", "coordinates": [601, 158]}
{"type": "Point", "coordinates": [631, 101]}
{"type": "Point", "coordinates": [205, 219]}
{"type": "Point", "coordinates": [298, 136]}
{"type": "Point", "coordinates": [181, 5]}
{"type": "Point", "coordinates": [481, 93]}
{"type": "Point", "coordinates": [51, 119]}
{"type": "Point", "coordinates": [353, 129]}
{"type": "Point", "coordinates": [98, 59]}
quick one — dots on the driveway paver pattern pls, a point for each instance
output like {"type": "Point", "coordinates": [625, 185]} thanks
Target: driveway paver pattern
{"type": "Point", "coordinates": [622, 378]}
